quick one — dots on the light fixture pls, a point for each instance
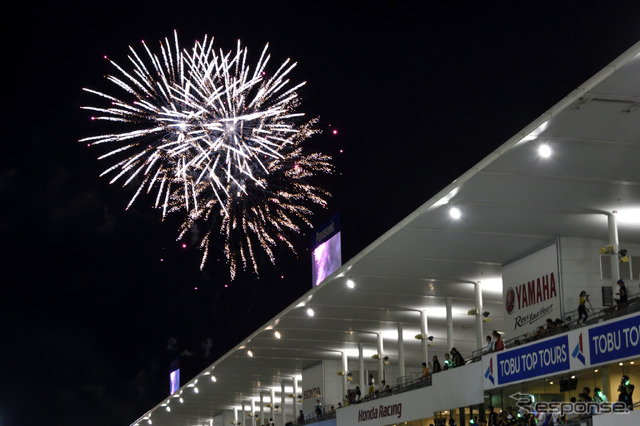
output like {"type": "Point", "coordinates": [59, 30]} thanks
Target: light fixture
{"type": "Point", "coordinates": [386, 360]}
{"type": "Point", "coordinates": [455, 213]}
{"type": "Point", "coordinates": [430, 339]}
{"type": "Point", "coordinates": [213, 378]}
{"type": "Point", "coordinates": [250, 353]}
{"type": "Point", "coordinates": [419, 336]}
{"type": "Point", "coordinates": [181, 401]}
{"type": "Point", "coordinates": [544, 150]}
{"type": "Point", "coordinates": [608, 249]}
{"type": "Point", "coordinates": [350, 283]}
{"type": "Point", "coordinates": [623, 256]}
{"type": "Point", "coordinates": [168, 408]}
{"type": "Point", "coordinates": [375, 356]}
{"type": "Point", "coordinates": [277, 334]}
{"type": "Point", "coordinates": [195, 389]}
{"type": "Point", "coordinates": [310, 312]}
{"type": "Point", "coordinates": [485, 314]}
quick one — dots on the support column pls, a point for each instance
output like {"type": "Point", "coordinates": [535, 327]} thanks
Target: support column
{"type": "Point", "coordinates": [261, 408]}
{"type": "Point", "coordinates": [401, 351]}
{"type": "Point", "coordinates": [424, 342]}
{"type": "Point", "coordinates": [235, 415]}
{"type": "Point", "coordinates": [361, 368]}
{"type": "Point", "coordinates": [613, 240]}
{"type": "Point", "coordinates": [244, 415]}
{"type": "Point", "coordinates": [283, 399]}
{"type": "Point", "coordinates": [380, 360]}
{"type": "Point", "coordinates": [345, 369]}
{"type": "Point", "coordinates": [477, 291]}
{"type": "Point", "coordinates": [295, 398]}
{"type": "Point", "coordinates": [253, 412]}
{"type": "Point", "coordinates": [449, 324]}
{"type": "Point", "coordinates": [273, 405]}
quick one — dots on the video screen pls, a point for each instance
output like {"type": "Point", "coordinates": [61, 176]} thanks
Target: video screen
{"type": "Point", "coordinates": [327, 257]}
{"type": "Point", "coordinates": [174, 377]}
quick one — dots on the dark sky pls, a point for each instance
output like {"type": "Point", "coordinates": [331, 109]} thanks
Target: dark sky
{"type": "Point", "coordinates": [419, 95]}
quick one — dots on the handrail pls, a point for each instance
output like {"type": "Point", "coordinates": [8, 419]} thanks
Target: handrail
{"type": "Point", "coordinates": [603, 314]}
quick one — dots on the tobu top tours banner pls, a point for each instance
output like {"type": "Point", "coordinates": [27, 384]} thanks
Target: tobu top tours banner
{"type": "Point", "coordinates": [531, 291]}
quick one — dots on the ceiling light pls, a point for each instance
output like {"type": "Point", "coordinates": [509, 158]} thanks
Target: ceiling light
{"type": "Point", "coordinates": [213, 379]}
{"type": "Point", "coordinates": [195, 390]}
{"type": "Point", "coordinates": [168, 408]}
{"type": "Point", "coordinates": [277, 334]}
{"type": "Point", "coordinates": [455, 213]}
{"type": "Point", "coordinates": [310, 312]}
{"type": "Point", "coordinates": [351, 284]}
{"type": "Point", "coordinates": [250, 353]}
{"type": "Point", "coordinates": [181, 401]}
{"type": "Point", "coordinates": [544, 151]}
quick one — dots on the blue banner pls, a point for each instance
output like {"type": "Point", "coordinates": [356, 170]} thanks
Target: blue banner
{"type": "Point", "coordinates": [326, 231]}
{"type": "Point", "coordinates": [616, 340]}
{"type": "Point", "coordinates": [538, 359]}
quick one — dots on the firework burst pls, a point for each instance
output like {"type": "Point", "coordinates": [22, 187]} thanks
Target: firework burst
{"type": "Point", "coordinates": [217, 141]}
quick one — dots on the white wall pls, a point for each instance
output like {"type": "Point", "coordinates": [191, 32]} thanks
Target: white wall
{"type": "Point", "coordinates": [580, 270]}
{"type": "Point", "coordinates": [458, 387]}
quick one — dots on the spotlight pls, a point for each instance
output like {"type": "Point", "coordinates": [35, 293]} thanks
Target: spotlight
{"type": "Point", "coordinates": [544, 151]}
{"type": "Point", "coordinates": [386, 360]}
{"type": "Point", "coordinates": [375, 356]}
{"type": "Point", "coordinates": [623, 256]}
{"type": "Point", "coordinates": [419, 336]}
{"type": "Point", "coordinates": [430, 339]}
{"type": "Point", "coordinates": [609, 249]}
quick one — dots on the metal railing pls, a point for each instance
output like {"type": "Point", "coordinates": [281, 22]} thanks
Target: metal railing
{"type": "Point", "coordinates": [570, 323]}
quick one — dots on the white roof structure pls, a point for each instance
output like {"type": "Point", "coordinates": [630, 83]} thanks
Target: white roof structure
{"type": "Point", "coordinates": [512, 203]}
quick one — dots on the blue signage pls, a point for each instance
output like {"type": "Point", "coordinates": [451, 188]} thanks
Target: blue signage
{"type": "Point", "coordinates": [326, 231]}
{"type": "Point", "coordinates": [616, 340]}
{"type": "Point", "coordinates": [538, 359]}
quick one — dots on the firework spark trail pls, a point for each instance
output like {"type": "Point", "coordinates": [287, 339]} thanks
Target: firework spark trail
{"type": "Point", "coordinates": [219, 141]}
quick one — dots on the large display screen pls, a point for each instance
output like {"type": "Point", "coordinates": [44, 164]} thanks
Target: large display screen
{"type": "Point", "coordinates": [327, 257]}
{"type": "Point", "coordinates": [174, 378]}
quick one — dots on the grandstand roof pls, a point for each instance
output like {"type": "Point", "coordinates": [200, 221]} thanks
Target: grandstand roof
{"type": "Point", "coordinates": [512, 203]}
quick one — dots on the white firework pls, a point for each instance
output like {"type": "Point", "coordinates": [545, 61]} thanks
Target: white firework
{"type": "Point", "coordinates": [217, 141]}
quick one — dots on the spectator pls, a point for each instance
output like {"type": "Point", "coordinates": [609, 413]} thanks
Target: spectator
{"type": "Point", "coordinates": [372, 384]}
{"type": "Point", "coordinates": [499, 343]}
{"type": "Point", "coordinates": [318, 409]}
{"type": "Point", "coordinates": [551, 326]}
{"type": "Point", "coordinates": [447, 361]}
{"type": "Point", "coordinates": [492, 417]}
{"type": "Point", "coordinates": [425, 371]}
{"type": "Point", "coordinates": [436, 365]}
{"type": "Point", "coordinates": [582, 306]}
{"type": "Point", "coordinates": [301, 417]}
{"type": "Point", "coordinates": [490, 345]}
{"type": "Point", "coordinates": [358, 394]}
{"type": "Point", "coordinates": [624, 296]}
{"type": "Point", "coordinates": [456, 358]}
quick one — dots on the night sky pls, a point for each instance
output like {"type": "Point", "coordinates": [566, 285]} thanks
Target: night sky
{"type": "Point", "coordinates": [91, 316]}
